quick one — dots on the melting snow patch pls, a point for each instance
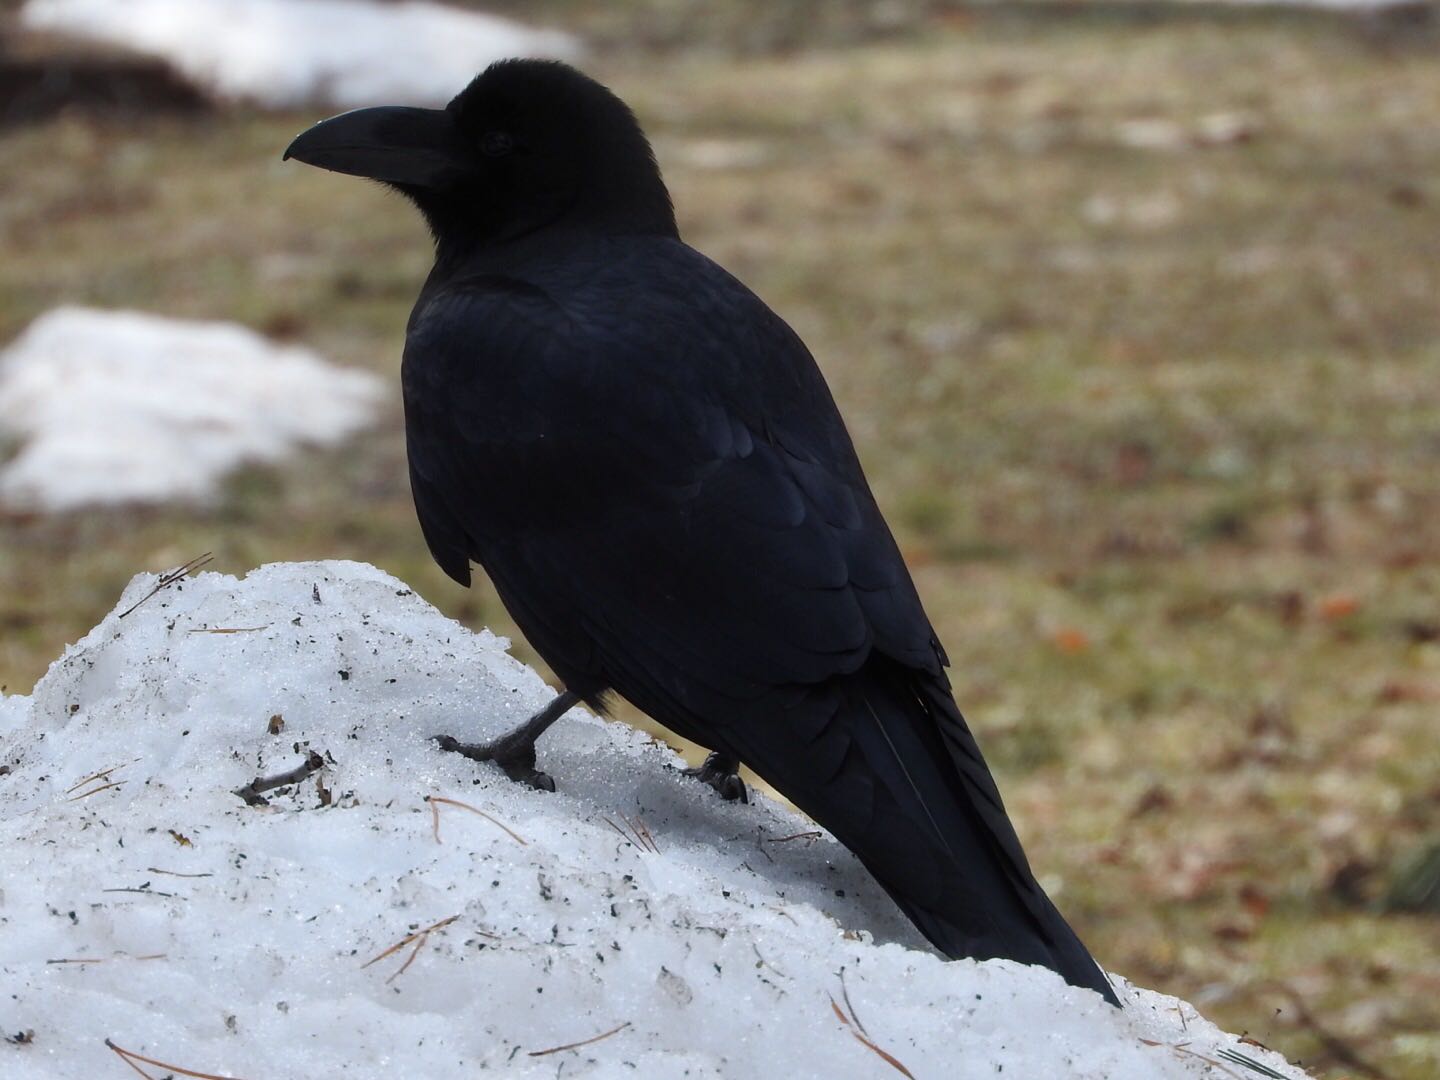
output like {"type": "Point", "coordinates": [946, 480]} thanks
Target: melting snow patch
{"type": "Point", "coordinates": [118, 406]}
{"type": "Point", "coordinates": [282, 53]}
{"type": "Point", "coordinates": [1328, 5]}
{"type": "Point", "coordinates": [631, 924]}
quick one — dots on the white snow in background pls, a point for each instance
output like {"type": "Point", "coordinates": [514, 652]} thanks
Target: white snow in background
{"type": "Point", "coordinates": [1323, 5]}
{"type": "Point", "coordinates": [1328, 5]}
{"type": "Point", "coordinates": [122, 406]}
{"type": "Point", "coordinates": [240, 947]}
{"type": "Point", "coordinates": [282, 53]}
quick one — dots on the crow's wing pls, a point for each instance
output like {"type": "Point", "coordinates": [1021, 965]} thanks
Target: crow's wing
{"type": "Point", "coordinates": [650, 463]}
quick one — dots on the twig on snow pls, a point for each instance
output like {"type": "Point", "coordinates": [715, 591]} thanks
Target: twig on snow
{"type": "Point", "coordinates": [641, 830]}
{"type": "Point", "coordinates": [849, 1006]}
{"type": "Point", "coordinates": [1249, 1063]}
{"type": "Point", "coordinates": [582, 1042]}
{"type": "Point", "coordinates": [170, 577]}
{"type": "Point", "coordinates": [853, 1026]}
{"type": "Point", "coordinates": [130, 1057]}
{"type": "Point", "coordinates": [145, 890]}
{"type": "Point", "coordinates": [419, 937]}
{"type": "Point", "coordinates": [434, 800]}
{"type": "Point", "coordinates": [95, 791]}
{"type": "Point", "coordinates": [101, 775]}
{"type": "Point", "coordinates": [251, 792]}
{"type": "Point", "coordinates": [623, 835]}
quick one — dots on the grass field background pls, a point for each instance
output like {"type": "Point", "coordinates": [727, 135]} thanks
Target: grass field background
{"type": "Point", "coordinates": [1134, 319]}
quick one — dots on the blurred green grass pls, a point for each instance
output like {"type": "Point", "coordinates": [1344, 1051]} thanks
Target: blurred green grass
{"type": "Point", "coordinates": [1134, 321]}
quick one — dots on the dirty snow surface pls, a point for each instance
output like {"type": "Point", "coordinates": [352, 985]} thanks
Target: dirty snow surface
{"type": "Point", "coordinates": [122, 406]}
{"type": "Point", "coordinates": [281, 53]}
{"type": "Point", "coordinates": [142, 901]}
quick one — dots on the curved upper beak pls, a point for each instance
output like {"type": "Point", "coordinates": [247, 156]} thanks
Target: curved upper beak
{"type": "Point", "coordinates": [418, 147]}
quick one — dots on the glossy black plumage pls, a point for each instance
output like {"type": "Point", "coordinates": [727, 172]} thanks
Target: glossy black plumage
{"type": "Point", "coordinates": [649, 466]}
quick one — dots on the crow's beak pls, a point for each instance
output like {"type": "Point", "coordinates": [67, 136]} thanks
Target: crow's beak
{"type": "Point", "coordinates": [421, 148]}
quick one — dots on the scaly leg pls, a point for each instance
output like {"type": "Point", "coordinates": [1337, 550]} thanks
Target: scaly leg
{"type": "Point", "coordinates": [515, 750]}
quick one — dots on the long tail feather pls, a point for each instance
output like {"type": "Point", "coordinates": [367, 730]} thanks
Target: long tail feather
{"type": "Point", "coordinates": [894, 772]}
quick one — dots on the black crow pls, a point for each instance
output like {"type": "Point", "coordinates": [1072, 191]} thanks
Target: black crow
{"type": "Point", "coordinates": [649, 466]}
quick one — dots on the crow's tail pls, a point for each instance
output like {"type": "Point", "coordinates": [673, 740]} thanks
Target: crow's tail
{"type": "Point", "coordinates": [889, 766]}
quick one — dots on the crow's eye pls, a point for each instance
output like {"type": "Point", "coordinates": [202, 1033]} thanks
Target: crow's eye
{"type": "Point", "coordinates": [496, 143]}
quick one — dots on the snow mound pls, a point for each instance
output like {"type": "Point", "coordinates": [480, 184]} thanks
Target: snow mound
{"type": "Point", "coordinates": [120, 406]}
{"type": "Point", "coordinates": [282, 53]}
{"type": "Point", "coordinates": [144, 902]}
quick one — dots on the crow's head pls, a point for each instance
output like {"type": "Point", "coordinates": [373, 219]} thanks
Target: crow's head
{"type": "Point", "coordinates": [528, 144]}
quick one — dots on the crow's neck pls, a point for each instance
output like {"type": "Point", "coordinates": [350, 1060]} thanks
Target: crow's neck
{"type": "Point", "coordinates": [468, 229]}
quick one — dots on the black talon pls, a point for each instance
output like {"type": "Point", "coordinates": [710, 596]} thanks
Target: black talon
{"type": "Point", "coordinates": [721, 772]}
{"type": "Point", "coordinates": [515, 751]}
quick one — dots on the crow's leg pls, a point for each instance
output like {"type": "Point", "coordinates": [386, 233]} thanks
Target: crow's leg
{"type": "Point", "coordinates": [515, 750]}
{"type": "Point", "coordinates": [722, 772]}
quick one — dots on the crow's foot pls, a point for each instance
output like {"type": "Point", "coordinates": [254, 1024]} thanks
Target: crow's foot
{"type": "Point", "coordinates": [515, 757]}
{"type": "Point", "coordinates": [722, 773]}
{"type": "Point", "coordinates": [515, 750]}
